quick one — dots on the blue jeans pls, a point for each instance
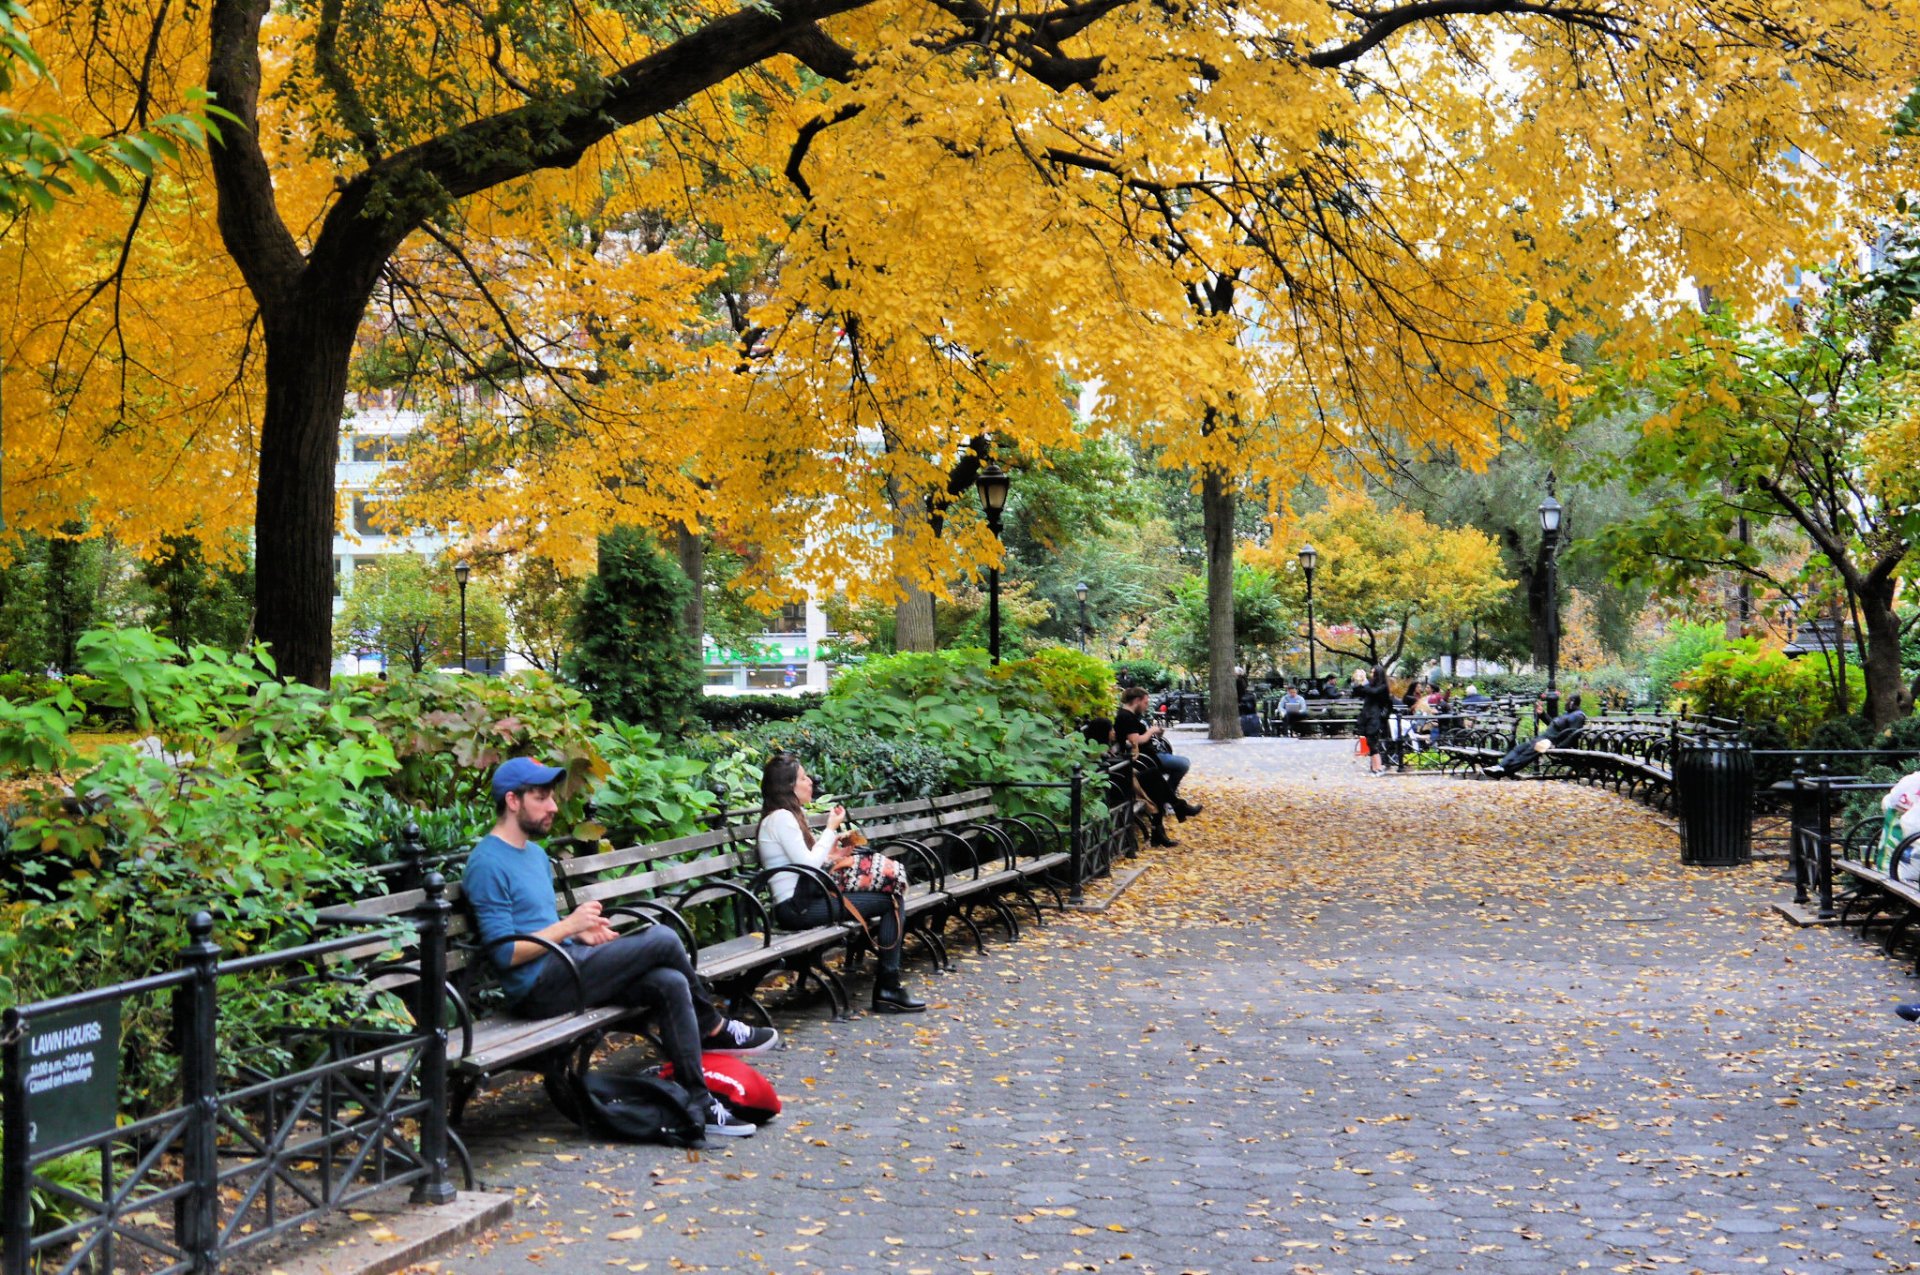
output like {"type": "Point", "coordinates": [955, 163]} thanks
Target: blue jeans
{"type": "Point", "coordinates": [1175, 768]}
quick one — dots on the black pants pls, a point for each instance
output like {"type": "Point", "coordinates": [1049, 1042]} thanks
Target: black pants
{"type": "Point", "coordinates": [647, 969]}
{"type": "Point", "coordinates": [883, 920]}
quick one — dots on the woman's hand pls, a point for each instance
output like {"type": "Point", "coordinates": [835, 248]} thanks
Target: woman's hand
{"type": "Point", "coordinates": [836, 817]}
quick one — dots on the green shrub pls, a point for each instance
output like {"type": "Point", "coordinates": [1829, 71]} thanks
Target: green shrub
{"type": "Point", "coordinates": [647, 794]}
{"type": "Point", "coordinates": [732, 712]}
{"type": "Point", "coordinates": [1841, 734]}
{"type": "Point", "coordinates": [1676, 655]}
{"type": "Point", "coordinates": [450, 730]}
{"type": "Point", "coordinates": [264, 781]}
{"type": "Point", "coordinates": [631, 655]}
{"type": "Point", "coordinates": [1903, 734]}
{"type": "Point", "coordinates": [1756, 684]}
{"type": "Point", "coordinates": [1077, 686]}
{"type": "Point", "coordinates": [1151, 674]}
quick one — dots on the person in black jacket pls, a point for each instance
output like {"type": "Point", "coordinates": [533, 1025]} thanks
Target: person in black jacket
{"type": "Point", "coordinates": [1561, 732]}
{"type": "Point", "coordinates": [1376, 707]}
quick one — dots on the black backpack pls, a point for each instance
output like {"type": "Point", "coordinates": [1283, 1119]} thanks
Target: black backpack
{"type": "Point", "coordinates": [642, 1108]}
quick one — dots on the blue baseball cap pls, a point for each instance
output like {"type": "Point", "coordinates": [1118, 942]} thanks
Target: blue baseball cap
{"type": "Point", "coordinates": [524, 772]}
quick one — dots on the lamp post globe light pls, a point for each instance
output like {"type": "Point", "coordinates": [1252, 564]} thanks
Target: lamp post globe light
{"type": "Point", "coordinates": [460, 573]}
{"type": "Point", "coordinates": [1309, 559]}
{"type": "Point", "coordinates": [993, 483]}
{"type": "Point", "coordinates": [1550, 515]}
{"type": "Point", "coordinates": [1080, 591]}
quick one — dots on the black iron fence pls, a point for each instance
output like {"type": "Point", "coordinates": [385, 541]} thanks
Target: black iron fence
{"type": "Point", "coordinates": [248, 1149]}
{"type": "Point", "coordinates": [1095, 837]}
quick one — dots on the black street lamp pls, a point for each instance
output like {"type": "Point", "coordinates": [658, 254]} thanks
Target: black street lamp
{"type": "Point", "coordinates": [1310, 558]}
{"type": "Point", "coordinates": [460, 573]}
{"type": "Point", "coordinates": [1080, 591]}
{"type": "Point", "coordinates": [1550, 530]}
{"type": "Point", "coordinates": [993, 483]}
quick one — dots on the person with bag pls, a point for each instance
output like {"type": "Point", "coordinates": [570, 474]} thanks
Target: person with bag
{"type": "Point", "coordinates": [871, 884]}
{"type": "Point", "coordinates": [509, 887]}
{"type": "Point", "coordinates": [1130, 731]}
{"type": "Point", "coordinates": [1376, 706]}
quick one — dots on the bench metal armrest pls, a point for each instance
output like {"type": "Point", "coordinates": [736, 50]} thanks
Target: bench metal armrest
{"type": "Point", "coordinates": [727, 889]}
{"type": "Point", "coordinates": [761, 879]}
{"type": "Point", "coordinates": [973, 855]}
{"type": "Point", "coordinates": [554, 949]}
{"type": "Point", "coordinates": [653, 911]}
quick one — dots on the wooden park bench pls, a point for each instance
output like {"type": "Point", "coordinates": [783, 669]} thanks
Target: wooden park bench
{"type": "Point", "coordinates": [962, 857]}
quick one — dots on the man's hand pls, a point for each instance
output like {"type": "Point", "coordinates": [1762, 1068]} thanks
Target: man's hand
{"type": "Point", "coordinates": [589, 926]}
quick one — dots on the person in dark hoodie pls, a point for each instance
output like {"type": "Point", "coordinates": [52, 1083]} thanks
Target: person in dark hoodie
{"type": "Point", "coordinates": [1561, 732]}
{"type": "Point", "coordinates": [1376, 709]}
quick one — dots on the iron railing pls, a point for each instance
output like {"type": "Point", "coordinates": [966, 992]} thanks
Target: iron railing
{"type": "Point", "coordinates": [244, 1155]}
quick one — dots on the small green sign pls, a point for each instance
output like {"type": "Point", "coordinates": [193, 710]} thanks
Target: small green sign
{"type": "Point", "coordinates": [73, 1074]}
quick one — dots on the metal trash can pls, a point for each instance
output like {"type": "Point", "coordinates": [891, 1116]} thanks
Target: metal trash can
{"type": "Point", "coordinates": [1713, 792]}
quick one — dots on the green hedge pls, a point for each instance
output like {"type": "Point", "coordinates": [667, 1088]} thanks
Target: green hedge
{"type": "Point", "coordinates": [734, 712]}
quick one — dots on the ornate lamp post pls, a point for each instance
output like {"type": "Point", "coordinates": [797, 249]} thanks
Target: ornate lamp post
{"type": "Point", "coordinates": [1550, 531]}
{"type": "Point", "coordinates": [1309, 559]}
{"type": "Point", "coordinates": [993, 483]}
{"type": "Point", "coordinates": [1080, 591]}
{"type": "Point", "coordinates": [460, 573]}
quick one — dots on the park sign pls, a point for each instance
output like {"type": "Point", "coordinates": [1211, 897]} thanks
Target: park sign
{"type": "Point", "coordinates": [72, 1073]}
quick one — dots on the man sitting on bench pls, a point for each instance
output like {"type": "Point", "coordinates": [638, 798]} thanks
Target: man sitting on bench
{"type": "Point", "coordinates": [509, 886]}
{"type": "Point", "coordinates": [1561, 732]}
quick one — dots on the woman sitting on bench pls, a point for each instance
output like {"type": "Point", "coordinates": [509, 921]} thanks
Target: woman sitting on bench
{"type": "Point", "coordinates": [785, 790]}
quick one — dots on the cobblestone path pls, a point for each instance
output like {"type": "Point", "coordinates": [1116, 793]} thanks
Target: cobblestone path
{"type": "Point", "coordinates": [1401, 1024]}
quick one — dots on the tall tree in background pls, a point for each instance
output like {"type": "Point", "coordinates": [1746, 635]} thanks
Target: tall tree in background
{"type": "Point", "coordinates": [1812, 431]}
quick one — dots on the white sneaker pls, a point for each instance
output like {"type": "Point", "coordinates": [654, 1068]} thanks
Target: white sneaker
{"type": "Point", "coordinates": [736, 1037]}
{"type": "Point", "coordinates": [722, 1123]}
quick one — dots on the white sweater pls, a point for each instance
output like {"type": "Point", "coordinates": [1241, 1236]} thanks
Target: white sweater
{"type": "Point", "coordinates": [782, 841]}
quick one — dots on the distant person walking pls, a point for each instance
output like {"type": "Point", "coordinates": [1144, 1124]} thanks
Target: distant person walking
{"type": "Point", "coordinates": [1376, 708]}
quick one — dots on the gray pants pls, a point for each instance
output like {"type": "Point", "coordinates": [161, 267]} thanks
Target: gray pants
{"type": "Point", "coordinates": [647, 969]}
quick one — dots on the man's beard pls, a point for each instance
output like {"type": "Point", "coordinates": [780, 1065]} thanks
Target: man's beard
{"type": "Point", "coordinates": [531, 827]}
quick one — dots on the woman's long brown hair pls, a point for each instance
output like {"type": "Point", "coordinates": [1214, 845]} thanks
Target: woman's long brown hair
{"type": "Point", "coordinates": [776, 790]}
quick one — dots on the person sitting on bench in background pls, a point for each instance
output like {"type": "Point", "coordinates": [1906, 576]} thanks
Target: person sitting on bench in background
{"type": "Point", "coordinates": [1560, 733]}
{"type": "Point", "coordinates": [1293, 711]}
{"type": "Point", "coordinates": [1134, 775]}
{"type": "Point", "coordinates": [1130, 730]}
{"type": "Point", "coordinates": [509, 886]}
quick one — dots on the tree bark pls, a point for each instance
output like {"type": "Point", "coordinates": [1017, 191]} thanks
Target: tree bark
{"type": "Point", "coordinates": [913, 621]}
{"type": "Point", "coordinates": [1886, 700]}
{"type": "Point", "coordinates": [1216, 512]}
{"type": "Point", "coordinates": [309, 345]}
{"type": "Point", "coordinates": [691, 548]}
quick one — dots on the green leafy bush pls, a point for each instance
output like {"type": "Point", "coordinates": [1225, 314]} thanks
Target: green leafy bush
{"type": "Point", "coordinates": [1747, 681]}
{"type": "Point", "coordinates": [1077, 686]}
{"type": "Point", "coordinates": [1903, 734]}
{"type": "Point", "coordinates": [1676, 655]}
{"type": "Point", "coordinates": [1151, 674]}
{"type": "Point", "coordinates": [844, 763]}
{"type": "Point", "coordinates": [449, 731]}
{"type": "Point", "coordinates": [731, 712]}
{"type": "Point", "coordinates": [260, 784]}
{"type": "Point", "coordinates": [631, 656]}
{"type": "Point", "coordinates": [647, 794]}
{"type": "Point", "coordinates": [1841, 733]}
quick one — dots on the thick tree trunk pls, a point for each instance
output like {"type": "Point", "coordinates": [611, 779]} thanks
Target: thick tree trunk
{"type": "Point", "coordinates": [691, 548]}
{"type": "Point", "coordinates": [309, 345]}
{"type": "Point", "coordinates": [913, 621]}
{"type": "Point", "coordinates": [1886, 695]}
{"type": "Point", "coordinates": [1216, 508]}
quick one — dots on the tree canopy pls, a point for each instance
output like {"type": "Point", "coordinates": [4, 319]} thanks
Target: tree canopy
{"type": "Point", "coordinates": [773, 270]}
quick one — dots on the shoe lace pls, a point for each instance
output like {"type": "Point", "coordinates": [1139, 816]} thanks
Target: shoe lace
{"type": "Point", "coordinates": [740, 1032]}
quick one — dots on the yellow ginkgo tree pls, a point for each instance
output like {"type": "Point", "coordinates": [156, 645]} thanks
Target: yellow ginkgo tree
{"type": "Point", "coordinates": [780, 268]}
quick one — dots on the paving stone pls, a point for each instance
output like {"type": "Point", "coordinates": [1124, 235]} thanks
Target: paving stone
{"type": "Point", "coordinates": [1632, 1060]}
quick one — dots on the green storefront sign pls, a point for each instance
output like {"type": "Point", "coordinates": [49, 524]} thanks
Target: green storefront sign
{"type": "Point", "coordinates": [73, 1074]}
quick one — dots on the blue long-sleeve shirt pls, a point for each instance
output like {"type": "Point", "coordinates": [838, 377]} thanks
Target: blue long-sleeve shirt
{"type": "Point", "coordinates": [510, 890]}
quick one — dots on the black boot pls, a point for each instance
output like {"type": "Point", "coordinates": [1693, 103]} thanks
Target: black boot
{"type": "Point", "coordinates": [1184, 810]}
{"type": "Point", "coordinates": [1160, 837]}
{"type": "Point", "coordinates": [890, 996]}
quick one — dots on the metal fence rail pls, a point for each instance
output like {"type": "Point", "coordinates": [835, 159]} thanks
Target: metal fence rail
{"type": "Point", "coordinates": [243, 1157]}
